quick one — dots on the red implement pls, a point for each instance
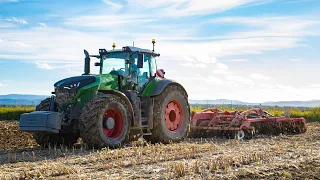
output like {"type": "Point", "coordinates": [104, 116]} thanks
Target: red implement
{"type": "Point", "coordinates": [243, 125]}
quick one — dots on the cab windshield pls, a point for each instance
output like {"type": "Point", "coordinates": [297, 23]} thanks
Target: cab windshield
{"type": "Point", "coordinates": [114, 63]}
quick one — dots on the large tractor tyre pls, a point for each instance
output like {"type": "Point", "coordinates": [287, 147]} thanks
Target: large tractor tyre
{"type": "Point", "coordinates": [45, 139]}
{"type": "Point", "coordinates": [171, 116]}
{"type": "Point", "coordinates": [105, 121]}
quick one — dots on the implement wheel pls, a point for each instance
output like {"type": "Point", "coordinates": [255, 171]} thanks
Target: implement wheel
{"type": "Point", "coordinates": [171, 116]}
{"type": "Point", "coordinates": [44, 139]}
{"type": "Point", "coordinates": [104, 121]}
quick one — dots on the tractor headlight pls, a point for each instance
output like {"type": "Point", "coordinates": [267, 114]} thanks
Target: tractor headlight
{"type": "Point", "coordinates": [74, 85]}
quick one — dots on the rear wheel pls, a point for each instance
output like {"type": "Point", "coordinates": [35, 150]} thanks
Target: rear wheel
{"type": "Point", "coordinates": [44, 139]}
{"type": "Point", "coordinates": [104, 121]}
{"type": "Point", "coordinates": [171, 116]}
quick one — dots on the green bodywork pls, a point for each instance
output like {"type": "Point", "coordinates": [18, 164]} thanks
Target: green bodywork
{"type": "Point", "coordinates": [108, 82]}
{"type": "Point", "coordinates": [150, 87]}
{"type": "Point", "coordinates": [86, 93]}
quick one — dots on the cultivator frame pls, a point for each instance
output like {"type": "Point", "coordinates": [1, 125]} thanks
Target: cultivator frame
{"type": "Point", "coordinates": [243, 125]}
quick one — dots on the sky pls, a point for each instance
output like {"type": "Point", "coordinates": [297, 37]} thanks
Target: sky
{"type": "Point", "coordinates": [248, 50]}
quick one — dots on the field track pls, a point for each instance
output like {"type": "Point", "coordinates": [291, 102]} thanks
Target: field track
{"type": "Point", "coordinates": [268, 157]}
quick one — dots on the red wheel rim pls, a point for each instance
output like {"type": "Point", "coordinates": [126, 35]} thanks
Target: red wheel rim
{"type": "Point", "coordinates": [173, 115]}
{"type": "Point", "coordinates": [116, 130]}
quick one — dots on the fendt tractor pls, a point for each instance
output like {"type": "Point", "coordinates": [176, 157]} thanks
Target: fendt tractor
{"type": "Point", "coordinates": [128, 99]}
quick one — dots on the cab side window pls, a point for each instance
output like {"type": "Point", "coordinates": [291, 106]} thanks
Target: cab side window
{"type": "Point", "coordinates": [143, 76]}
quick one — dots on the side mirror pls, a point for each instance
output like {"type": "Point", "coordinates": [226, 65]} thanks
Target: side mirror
{"type": "Point", "coordinates": [97, 64]}
{"type": "Point", "coordinates": [140, 60]}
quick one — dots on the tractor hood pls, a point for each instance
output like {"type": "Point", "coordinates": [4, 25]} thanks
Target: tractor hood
{"type": "Point", "coordinates": [75, 82]}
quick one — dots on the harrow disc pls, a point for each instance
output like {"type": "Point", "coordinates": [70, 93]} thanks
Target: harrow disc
{"type": "Point", "coordinates": [240, 135]}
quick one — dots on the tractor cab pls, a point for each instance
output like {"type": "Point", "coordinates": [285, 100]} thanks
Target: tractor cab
{"type": "Point", "coordinates": [134, 67]}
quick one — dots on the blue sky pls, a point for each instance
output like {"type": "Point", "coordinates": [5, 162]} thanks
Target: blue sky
{"type": "Point", "coordinates": [249, 50]}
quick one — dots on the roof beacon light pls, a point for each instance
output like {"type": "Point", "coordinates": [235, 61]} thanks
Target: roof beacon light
{"type": "Point", "coordinates": [153, 42]}
{"type": "Point", "coordinates": [113, 45]}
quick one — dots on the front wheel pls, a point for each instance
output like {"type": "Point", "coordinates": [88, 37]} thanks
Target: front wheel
{"type": "Point", "coordinates": [171, 116]}
{"type": "Point", "coordinates": [104, 122]}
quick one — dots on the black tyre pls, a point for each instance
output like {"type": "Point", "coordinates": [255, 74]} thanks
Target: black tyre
{"type": "Point", "coordinates": [104, 121]}
{"type": "Point", "coordinates": [44, 139]}
{"type": "Point", "coordinates": [171, 116]}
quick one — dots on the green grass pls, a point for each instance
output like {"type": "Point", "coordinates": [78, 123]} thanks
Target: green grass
{"type": "Point", "coordinates": [14, 112]}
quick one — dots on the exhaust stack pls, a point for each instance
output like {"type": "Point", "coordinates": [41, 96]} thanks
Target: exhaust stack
{"type": "Point", "coordinates": [86, 63]}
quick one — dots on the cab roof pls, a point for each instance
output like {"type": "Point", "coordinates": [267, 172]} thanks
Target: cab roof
{"type": "Point", "coordinates": [135, 49]}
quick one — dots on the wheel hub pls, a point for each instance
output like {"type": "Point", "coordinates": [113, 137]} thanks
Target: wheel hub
{"type": "Point", "coordinates": [109, 123]}
{"type": "Point", "coordinates": [173, 115]}
{"type": "Point", "coordinates": [113, 123]}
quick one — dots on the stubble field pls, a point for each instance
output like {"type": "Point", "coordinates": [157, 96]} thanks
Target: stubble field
{"type": "Point", "coordinates": [268, 157]}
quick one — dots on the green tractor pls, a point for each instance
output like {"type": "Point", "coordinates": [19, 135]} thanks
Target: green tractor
{"type": "Point", "coordinates": [128, 99]}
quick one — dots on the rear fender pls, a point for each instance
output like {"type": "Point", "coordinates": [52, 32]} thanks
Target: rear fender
{"type": "Point", "coordinates": [156, 87]}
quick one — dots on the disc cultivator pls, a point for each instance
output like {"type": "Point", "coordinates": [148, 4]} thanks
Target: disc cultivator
{"type": "Point", "coordinates": [243, 125]}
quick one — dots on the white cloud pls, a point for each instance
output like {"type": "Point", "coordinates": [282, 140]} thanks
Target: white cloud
{"type": "Point", "coordinates": [43, 24]}
{"type": "Point", "coordinates": [3, 85]}
{"type": "Point", "coordinates": [189, 64]}
{"type": "Point", "coordinates": [239, 80]}
{"type": "Point", "coordinates": [225, 48]}
{"type": "Point", "coordinates": [207, 59]}
{"type": "Point", "coordinates": [237, 60]}
{"type": "Point", "coordinates": [188, 59]}
{"type": "Point", "coordinates": [16, 20]}
{"type": "Point", "coordinates": [272, 26]}
{"type": "Point", "coordinates": [4, 24]}
{"type": "Point", "coordinates": [222, 66]}
{"type": "Point", "coordinates": [112, 21]}
{"type": "Point", "coordinates": [213, 80]}
{"type": "Point", "coordinates": [49, 44]}
{"type": "Point", "coordinates": [113, 4]}
{"type": "Point", "coordinates": [20, 44]}
{"type": "Point", "coordinates": [177, 8]}
{"type": "Point", "coordinates": [221, 71]}
{"type": "Point", "coordinates": [195, 65]}
{"type": "Point", "coordinates": [44, 66]}
{"type": "Point", "coordinates": [258, 76]}
{"type": "Point", "coordinates": [200, 65]}
{"type": "Point", "coordinates": [295, 60]}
